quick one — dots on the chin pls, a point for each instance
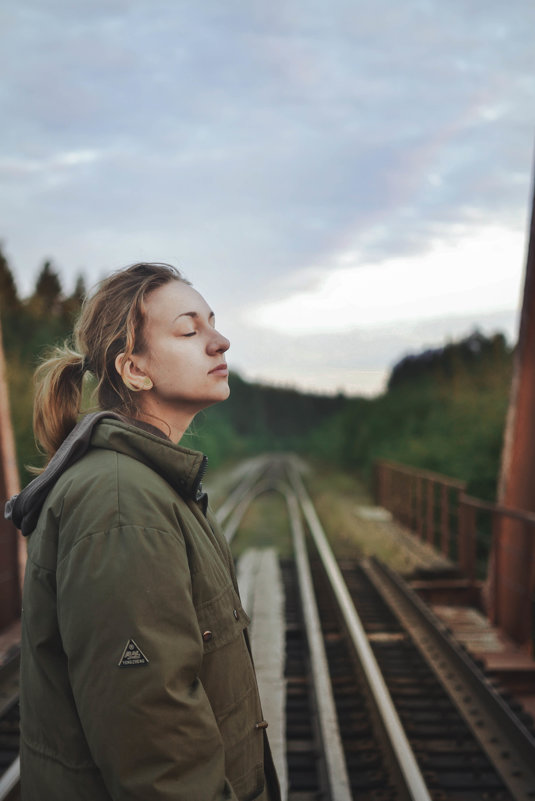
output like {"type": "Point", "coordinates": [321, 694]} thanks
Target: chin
{"type": "Point", "coordinates": [216, 398]}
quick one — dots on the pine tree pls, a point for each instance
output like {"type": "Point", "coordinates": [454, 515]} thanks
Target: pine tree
{"type": "Point", "coordinates": [72, 304]}
{"type": "Point", "coordinates": [46, 299]}
{"type": "Point", "coordinates": [9, 300]}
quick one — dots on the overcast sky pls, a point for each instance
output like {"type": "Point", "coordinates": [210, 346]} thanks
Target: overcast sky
{"type": "Point", "coordinates": [344, 181]}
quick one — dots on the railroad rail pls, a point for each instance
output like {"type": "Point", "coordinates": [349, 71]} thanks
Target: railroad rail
{"type": "Point", "coordinates": [381, 703]}
{"type": "Point", "coordinates": [398, 709]}
{"type": "Point", "coordinates": [9, 729]}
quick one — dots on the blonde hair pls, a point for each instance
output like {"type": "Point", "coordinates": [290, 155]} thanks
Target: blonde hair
{"type": "Point", "coordinates": [110, 323]}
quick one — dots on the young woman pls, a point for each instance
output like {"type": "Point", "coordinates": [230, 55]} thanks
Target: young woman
{"type": "Point", "coordinates": [136, 679]}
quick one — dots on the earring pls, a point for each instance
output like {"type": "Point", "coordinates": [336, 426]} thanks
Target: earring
{"type": "Point", "coordinates": [130, 386]}
{"type": "Point", "coordinates": [147, 383]}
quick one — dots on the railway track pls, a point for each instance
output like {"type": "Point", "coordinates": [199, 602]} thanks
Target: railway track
{"type": "Point", "coordinates": [9, 729]}
{"type": "Point", "coordinates": [397, 709]}
{"type": "Point", "coordinates": [381, 705]}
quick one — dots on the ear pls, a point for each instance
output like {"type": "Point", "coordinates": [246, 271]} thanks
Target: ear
{"type": "Point", "coordinates": [134, 378]}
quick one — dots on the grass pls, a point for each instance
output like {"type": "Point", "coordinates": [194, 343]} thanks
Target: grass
{"type": "Point", "coordinates": [265, 525]}
{"type": "Point", "coordinates": [338, 496]}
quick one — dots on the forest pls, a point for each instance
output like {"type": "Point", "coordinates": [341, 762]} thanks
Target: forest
{"type": "Point", "coordinates": [444, 408]}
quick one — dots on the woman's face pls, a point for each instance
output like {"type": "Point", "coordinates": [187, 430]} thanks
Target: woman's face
{"type": "Point", "coordinates": [184, 354]}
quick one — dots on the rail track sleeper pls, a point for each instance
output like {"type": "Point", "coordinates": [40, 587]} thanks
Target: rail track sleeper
{"type": "Point", "coordinates": [328, 721]}
{"type": "Point", "coordinates": [408, 766]}
{"type": "Point", "coordinates": [508, 744]}
{"type": "Point", "coordinates": [460, 768]}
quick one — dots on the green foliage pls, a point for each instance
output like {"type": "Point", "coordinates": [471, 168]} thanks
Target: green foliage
{"type": "Point", "coordinates": [29, 328]}
{"type": "Point", "coordinates": [444, 409]}
{"type": "Point", "coordinates": [48, 286]}
{"type": "Point", "coordinates": [259, 418]}
{"type": "Point", "coordinates": [8, 291]}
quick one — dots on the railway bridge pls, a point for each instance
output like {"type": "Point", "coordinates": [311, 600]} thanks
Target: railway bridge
{"type": "Point", "coordinates": [378, 683]}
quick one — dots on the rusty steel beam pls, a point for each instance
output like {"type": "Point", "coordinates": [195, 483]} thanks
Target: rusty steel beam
{"type": "Point", "coordinates": [12, 551]}
{"type": "Point", "coordinates": [513, 550]}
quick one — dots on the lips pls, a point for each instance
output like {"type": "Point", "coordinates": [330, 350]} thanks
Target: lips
{"type": "Point", "coordinates": [221, 370]}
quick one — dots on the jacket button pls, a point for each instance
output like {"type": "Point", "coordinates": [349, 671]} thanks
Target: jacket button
{"type": "Point", "coordinates": [235, 613]}
{"type": "Point", "coordinates": [262, 725]}
{"type": "Point", "coordinates": [207, 636]}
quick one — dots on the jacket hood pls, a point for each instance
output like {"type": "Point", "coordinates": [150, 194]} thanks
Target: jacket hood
{"type": "Point", "coordinates": [181, 467]}
{"type": "Point", "coordinates": [24, 507]}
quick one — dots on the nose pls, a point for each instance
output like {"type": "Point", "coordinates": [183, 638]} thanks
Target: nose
{"type": "Point", "coordinates": [218, 343]}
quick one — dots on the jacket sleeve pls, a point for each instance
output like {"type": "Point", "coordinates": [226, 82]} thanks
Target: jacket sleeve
{"type": "Point", "coordinates": [148, 722]}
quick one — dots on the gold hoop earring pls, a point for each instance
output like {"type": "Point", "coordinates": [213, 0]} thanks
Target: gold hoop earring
{"type": "Point", "coordinates": [147, 383]}
{"type": "Point", "coordinates": [130, 386]}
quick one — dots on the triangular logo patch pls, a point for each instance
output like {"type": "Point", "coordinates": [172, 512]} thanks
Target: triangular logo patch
{"type": "Point", "coordinates": [132, 655]}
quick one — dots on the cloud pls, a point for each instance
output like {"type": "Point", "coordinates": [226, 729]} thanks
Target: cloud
{"type": "Point", "coordinates": [18, 167]}
{"type": "Point", "coordinates": [258, 144]}
{"type": "Point", "coordinates": [355, 362]}
{"type": "Point", "coordinates": [472, 271]}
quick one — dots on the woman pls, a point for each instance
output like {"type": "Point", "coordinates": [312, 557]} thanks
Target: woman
{"type": "Point", "coordinates": [136, 678]}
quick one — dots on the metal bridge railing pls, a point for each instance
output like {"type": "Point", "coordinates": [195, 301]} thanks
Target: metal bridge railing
{"type": "Point", "coordinates": [475, 535]}
{"type": "Point", "coordinates": [512, 543]}
{"type": "Point", "coordinates": [425, 502]}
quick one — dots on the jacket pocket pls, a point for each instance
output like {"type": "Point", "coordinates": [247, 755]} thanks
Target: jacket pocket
{"type": "Point", "coordinates": [221, 619]}
{"type": "Point", "coordinates": [244, 746]}
{"type": "Point", "coordinates": [228, 678]}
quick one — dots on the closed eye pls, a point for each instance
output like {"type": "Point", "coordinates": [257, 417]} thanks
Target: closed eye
{"type": "Point", "coordinates": [191, 334]}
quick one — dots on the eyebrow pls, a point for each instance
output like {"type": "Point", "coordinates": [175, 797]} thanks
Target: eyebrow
{"type": "Point", "coordinates": [193, 315]}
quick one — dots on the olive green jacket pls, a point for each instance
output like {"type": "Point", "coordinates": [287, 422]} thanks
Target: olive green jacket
{"type": "Point", "coordinates": [136, 681]}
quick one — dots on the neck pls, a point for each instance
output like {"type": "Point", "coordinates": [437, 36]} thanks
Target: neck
{"type": "Point", "coordinates": [173, 423]}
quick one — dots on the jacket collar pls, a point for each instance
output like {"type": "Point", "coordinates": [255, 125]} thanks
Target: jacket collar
{"type": "Point", "coordinates": [181, 467]}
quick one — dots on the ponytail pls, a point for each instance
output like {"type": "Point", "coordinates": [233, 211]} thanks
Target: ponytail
{"type": "Point", "coordinates": [110, 324]}
{"type": "Point", "coordinates": [58, 397]}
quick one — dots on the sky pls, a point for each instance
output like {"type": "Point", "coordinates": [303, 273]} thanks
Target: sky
{"type": "Point", "coordinates": [345, 182]}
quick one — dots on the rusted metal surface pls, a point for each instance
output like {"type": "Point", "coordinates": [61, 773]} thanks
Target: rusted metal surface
{"type": "Point", "coordinates": [425, 502]}
{"type": "Point", "coordinates": [437, 509]}
{"type": "Point", "coordinates": [12, 552]}
{"type": "Point", "coordinates": [508, 743]}
{"type": "Point", "coordinates": [509, 666]}
{"type": "Point", "coordinates": [512, 564]}
{"type": "Point", "coordinates": [511, 582]}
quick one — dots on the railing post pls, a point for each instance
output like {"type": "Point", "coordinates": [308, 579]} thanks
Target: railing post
{"type": "Point", "coordinates": [410, 501]}
{"type": "Point", "coordinates": [445, 520]}
{"type": "Point", "coordinates": [12, 544]}
{"type": "Point", "coordinates": [466, 545]}
{"type": "Point", "coordinates": [495, 554]}
{"type": "Point", "coordinates": [430, 523]}
{"type": "Point", "coordinates": [419, 510]}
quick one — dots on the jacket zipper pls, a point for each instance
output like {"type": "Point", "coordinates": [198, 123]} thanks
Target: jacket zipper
{"type": "Point", "coordinates": [197, 484]}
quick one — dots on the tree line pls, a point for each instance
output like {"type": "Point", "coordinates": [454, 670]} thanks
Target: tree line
{"type": "Point", "coordinates": [443, 409]}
